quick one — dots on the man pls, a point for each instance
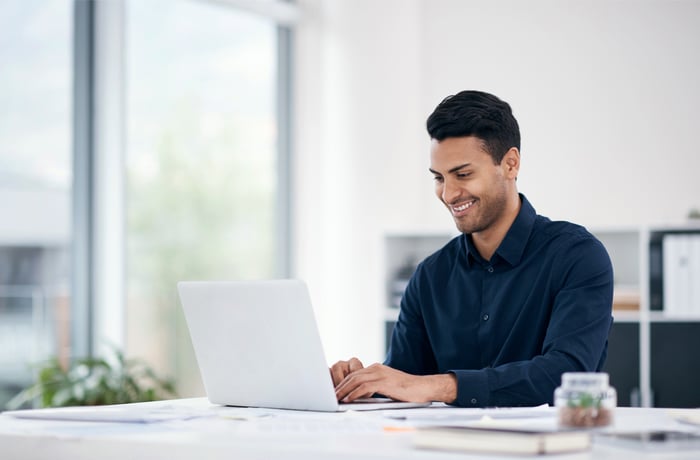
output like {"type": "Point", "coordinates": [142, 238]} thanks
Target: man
{"type": "Point", "coordinates": [500, 312]}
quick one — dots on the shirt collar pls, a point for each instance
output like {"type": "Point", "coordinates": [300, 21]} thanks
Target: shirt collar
{"type": "Point", "coordinates": [513, 245]}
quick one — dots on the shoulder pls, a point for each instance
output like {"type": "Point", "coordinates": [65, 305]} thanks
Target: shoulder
{"type": "Point", "coordinates": [567, 244]}
{"type": "Point", "coordinates": [446, 255]}
{"type": "Point", "coordinates": [439, 264]}
{"type": "Point", "coordinates": [562, 234]}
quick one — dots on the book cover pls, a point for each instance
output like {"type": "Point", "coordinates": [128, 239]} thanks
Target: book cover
{"type": "Point", "coordinates": [502, 440]}
{"type": "Point", "coordinates": [656, 279]}
{"type": "Point", "coordinates": [672, 274]}
{"type": "Point", "coordinates": [695, 276]}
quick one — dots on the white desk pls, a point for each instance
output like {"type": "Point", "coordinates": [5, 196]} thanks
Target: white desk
{"type": "Point", "coordinates": [233, 433]}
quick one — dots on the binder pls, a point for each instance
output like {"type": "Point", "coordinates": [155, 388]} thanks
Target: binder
{"type": "Point", "coordinates": [680, 275]}
{"type": "Point", "coordinates": [694, 300]}
{"type": "Point", "coordinates": [656, 294]}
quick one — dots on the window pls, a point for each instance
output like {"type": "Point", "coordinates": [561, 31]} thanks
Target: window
{"type": "Point", "coordinates": [202, 165]}
{"type": "Point", "coordinates": [35, 186]}
{"type": "Point", "coordinates": [205, 181]}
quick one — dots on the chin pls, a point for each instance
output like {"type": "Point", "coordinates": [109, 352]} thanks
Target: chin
{"type": "Point", "coordinates": [467, 228]}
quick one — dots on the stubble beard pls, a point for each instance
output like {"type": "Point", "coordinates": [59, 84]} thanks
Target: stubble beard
{"type": "Point", "coordinates": [491, 208]}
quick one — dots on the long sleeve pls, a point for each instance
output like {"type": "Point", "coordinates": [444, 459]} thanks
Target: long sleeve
{"type": "Point", "coordinates": [575, 339]}
{"type": "Point", "coordinates": [509, 327]}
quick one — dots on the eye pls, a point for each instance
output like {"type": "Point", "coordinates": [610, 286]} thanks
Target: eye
{"type": "Point", "coordinates": [437, 178]}
{"type": "Point", "coordinates": [463, 175]}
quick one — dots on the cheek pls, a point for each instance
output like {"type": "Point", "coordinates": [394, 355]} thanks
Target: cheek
{"type": "Point", "coordinates": [479, 187]}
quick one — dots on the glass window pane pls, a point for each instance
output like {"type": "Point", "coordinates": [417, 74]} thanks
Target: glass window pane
{"type": "Point", "coordinates": [201, 165]}
{"type": "Point", "coordinates": [35, 186]}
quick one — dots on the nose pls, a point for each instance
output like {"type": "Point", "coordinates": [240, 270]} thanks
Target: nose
{"type": "Point", "coordinates": [450, 191]}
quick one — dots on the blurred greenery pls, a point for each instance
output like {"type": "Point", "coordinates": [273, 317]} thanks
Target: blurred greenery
{"type": "Point", "coordinates": [585, 400]}
{"type": "Point", "coordinates": [94, 382]}
{"type": "Point", "coordinates": [201, 206]}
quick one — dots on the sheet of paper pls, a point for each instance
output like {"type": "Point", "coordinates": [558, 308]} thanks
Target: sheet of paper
{"type": "Point", "coordinates": [121, 414]}
{"type": "Point", "coordinates": [443, 413]}
{"type": "Point", "coordinates": [691, 416]}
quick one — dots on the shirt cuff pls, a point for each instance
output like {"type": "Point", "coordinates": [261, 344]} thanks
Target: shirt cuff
{"type": "Point", "coordinates": [472, 388]}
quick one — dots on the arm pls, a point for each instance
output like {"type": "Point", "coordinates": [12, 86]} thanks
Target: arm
{"type": "Point", "coordinates": [571, 329]}
{"type": "Point", "coordinates": [575, 339]}
{"type": "Point", "coordinates": [420, 382]}
{"type": "Point", "coordinates": [395, 384]}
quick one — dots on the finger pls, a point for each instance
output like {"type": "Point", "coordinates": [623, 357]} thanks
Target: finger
{"type": "Point", "coordinates": [355, 379]}
{"type": "Point", "coordinates": [364, 389]}
{"type": "Point", "coordinates": [339, 371]}
{"type": "Point", "coordinates": [355, 364]}
{"type": "Point", "coordinates": [345, 386]}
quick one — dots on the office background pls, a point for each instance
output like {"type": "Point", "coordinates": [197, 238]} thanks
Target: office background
{"type": "Point", "coordinates": [258, 140]}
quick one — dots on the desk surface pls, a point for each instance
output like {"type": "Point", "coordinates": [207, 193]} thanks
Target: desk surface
{"type": "Point", "coordinates": [200, 430]}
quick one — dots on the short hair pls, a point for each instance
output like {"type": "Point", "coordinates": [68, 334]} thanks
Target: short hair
{"type": "Point", "coordinates": [478, 114]}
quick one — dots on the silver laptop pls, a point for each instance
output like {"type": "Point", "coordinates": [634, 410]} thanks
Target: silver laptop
{"type": "Point", "coordinates": [257, 345]}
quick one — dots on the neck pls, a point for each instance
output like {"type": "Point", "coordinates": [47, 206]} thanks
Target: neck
{"type": "Point", "coordinates": [487, 241]}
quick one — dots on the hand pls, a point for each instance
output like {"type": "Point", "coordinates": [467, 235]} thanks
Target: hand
{"type": "Point", "coordinates": [342, 369]}
{"type": "Point", "coordinates": [395, 384]}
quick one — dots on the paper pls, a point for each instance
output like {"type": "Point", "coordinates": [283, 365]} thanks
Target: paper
{"type": "Point", "coordinates": [442, 413]}
{"type": "Point", "coordinates": [691, 416]}
{"type": "Point", "coordinates": [118, 414]}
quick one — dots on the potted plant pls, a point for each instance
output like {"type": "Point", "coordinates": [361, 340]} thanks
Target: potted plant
{"type": "Point", "coordinates": [94, 381]}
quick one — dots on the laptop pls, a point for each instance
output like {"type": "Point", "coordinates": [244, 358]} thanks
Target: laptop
{"type": "Point", "coordinates": [257, 345]}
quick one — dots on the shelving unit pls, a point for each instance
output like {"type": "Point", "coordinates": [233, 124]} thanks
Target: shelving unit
{"type": "Point", "coordinates": [652, 357]}
{"type": "Point", "coordinates": [403, 252]}
{"type": "Point", "coordinates": [639, 339]}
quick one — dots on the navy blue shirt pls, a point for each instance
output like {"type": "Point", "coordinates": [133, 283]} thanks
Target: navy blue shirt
{"type": "Point", "coordinates": [509, 327]}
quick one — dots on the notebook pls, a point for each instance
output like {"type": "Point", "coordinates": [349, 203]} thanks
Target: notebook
{"type": "Point", "coordinates": [257, 345]}
{"type": "Point", "coordinates": [520, 441]}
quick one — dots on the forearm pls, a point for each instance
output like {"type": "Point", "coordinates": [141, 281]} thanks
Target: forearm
{"type": "Point", "coordinates": [523, 383]}
{"type": "Point", "coordinates": [441, 387]}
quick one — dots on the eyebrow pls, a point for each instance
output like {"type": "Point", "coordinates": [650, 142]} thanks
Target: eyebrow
{"type": "Point", "coordinates": [453, 170]}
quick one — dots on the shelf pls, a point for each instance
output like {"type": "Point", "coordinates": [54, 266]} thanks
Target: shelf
{"type": "Point", "coordinates": [661, 317]}
{"type": "Point", "coordinates": [626, 316]}
{"type": "Point", "coordinates": [627, 298]}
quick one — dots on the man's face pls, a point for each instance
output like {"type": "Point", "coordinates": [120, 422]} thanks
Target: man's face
{"type": "Point", "coordinates": [467, 181]}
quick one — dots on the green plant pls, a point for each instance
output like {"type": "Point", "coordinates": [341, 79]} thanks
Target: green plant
{"type": "Point", "coordinates": [92, 382]}
{"type": "Point", "coordinates": [585, 400]}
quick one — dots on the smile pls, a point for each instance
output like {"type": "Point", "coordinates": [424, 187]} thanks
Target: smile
{"type": "Point", "coordinates": [462, 207]}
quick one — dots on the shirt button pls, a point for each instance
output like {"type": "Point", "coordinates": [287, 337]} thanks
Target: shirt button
{"type": "Point", "coordinates": [490, 269]}
{"type": "Point", "coordinates": [473, 400]}
{"type": "Point", "coordinates": [485, 317]}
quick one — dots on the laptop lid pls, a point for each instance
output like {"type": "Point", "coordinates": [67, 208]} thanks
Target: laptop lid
{"type": "Point", "coordinates": [257, 345]}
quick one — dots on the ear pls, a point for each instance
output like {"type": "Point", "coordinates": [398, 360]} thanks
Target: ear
{"type": "Point", "coordinates": [511, 163]}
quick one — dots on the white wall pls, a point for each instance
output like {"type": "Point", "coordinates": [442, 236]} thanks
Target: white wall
{"type": "Point", "coordinates": [605, 91]}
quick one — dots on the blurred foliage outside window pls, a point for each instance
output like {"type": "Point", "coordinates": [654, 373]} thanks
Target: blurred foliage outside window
{"type": "Point", "coordinates": [201, 166]}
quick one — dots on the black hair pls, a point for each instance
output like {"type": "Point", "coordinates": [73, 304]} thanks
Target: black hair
{"type": "Point", "coordinates": [478, 114]}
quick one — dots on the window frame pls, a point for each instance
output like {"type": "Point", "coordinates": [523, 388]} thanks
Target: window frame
{"type": "Point", "coordinates": [99, 120]}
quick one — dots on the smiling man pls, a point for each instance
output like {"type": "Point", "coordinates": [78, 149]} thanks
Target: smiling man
{"type": "Point", "coordinates": [500, 312]}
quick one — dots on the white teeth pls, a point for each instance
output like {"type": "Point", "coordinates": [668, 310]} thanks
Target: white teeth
{"type": "Point", "coordinates": [463, 207]}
